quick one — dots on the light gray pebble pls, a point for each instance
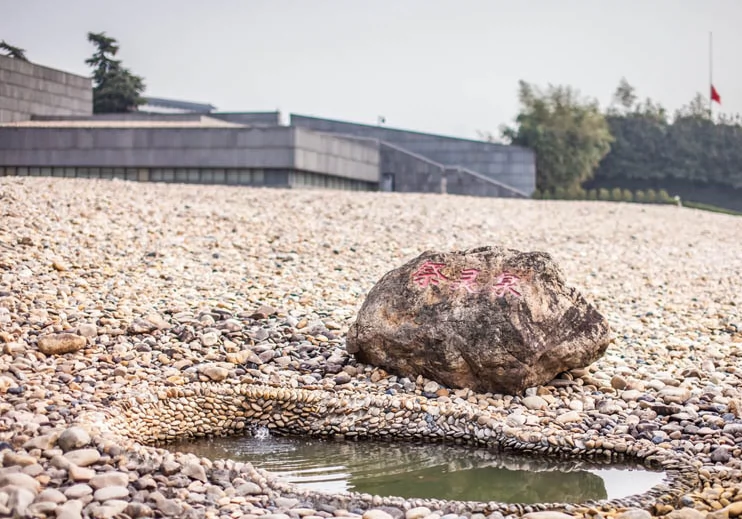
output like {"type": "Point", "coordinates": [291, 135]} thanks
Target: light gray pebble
{"type": "Point", "coordinates": [83, 457]}
{"type": "Point", "coordinates": [286, 502]}
{"type": "Point", "coordinates": [419, 512]}
{"type": "Point", "coordinates": [113, 492]}
{"type": "Point", "coordinates": [108, 479]}
{"type": "Point", "coordinates": [19, 479]}
{"type": "Point", "coordinates": [535, 403]}
{"type": "Point", "coordinates": [376, 514]}
{"type": "Point", "coordinates": [51, 495]}
{"type": "Point", "coordinates": [77, 491]}
{"type": "Point", "coordinates": [635, 513]}
{"type": "Point", "coordinates": [19, 499]}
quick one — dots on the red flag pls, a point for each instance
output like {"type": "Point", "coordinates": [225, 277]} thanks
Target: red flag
{"type": "Point", "coordinates": [715, 95]}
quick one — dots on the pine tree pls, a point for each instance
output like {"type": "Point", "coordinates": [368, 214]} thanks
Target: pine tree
{"type": "Point", "coordinates": [115, 88]}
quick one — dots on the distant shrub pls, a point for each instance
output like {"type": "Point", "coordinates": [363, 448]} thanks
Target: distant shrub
{"type": "Point", "coordinates": [536, 195]}
{"type": "Point", "coordinates": [616, 194]}
{"type": "Point", "coordinates": [546, 195]}
{"type": "Point", "coordinates": [592, 194]}
{"type": "Point", "coordinates": [576, 193]}
{"type": "Point", "coordinates": [651, 196]}
{"type": "Point", "coordinates": [560, 193]}
{"type": "Point", "coordinates": [604, 194]}
{"type": "Point", "coordinates": [640, 197]}
{"type": "Point", "coordinates": [627, 196]}
{"type": "Point", "coordinates": [663, 197]}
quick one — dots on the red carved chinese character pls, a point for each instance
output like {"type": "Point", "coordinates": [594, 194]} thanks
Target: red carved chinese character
{"type": "Point", "coordinates": [467, 280]}
{"type": "Point", "coordinates": [506, 283]}
{"type": "Point", "coordinates": [429, 272]}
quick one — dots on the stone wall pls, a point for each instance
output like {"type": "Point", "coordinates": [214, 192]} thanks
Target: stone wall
{"type": "Point", "coordinates": [28, 89]}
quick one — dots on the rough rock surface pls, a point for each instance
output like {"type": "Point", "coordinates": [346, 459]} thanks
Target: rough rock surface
{"type": "Point", "coordinates": [490, 319]}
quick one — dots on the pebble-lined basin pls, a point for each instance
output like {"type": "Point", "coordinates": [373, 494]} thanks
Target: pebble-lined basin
{"type": "Point", "coordinates": [414, 470]}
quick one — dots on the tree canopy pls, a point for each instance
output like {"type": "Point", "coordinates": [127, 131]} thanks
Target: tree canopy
{"type": "Point", "coordinates": [632, 144]}
{"type": "Point", "coordinates": [568, 133]}
{"type": "Point", "coordinates": [115, 88]}
{"type": "Point", "coordinates": [12, 52]}
{"type": "Point", "coordinates": [689, 146]}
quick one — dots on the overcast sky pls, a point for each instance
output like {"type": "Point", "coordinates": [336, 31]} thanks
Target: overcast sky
{"type": "Point", "coordinates": [431, 65]}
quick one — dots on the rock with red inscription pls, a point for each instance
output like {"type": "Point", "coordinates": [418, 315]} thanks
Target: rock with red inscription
{"type": "Point", "coordinates": [490, 319]}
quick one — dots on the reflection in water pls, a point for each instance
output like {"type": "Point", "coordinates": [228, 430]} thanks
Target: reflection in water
{"type": "Point", "coordinates": [427, 470]}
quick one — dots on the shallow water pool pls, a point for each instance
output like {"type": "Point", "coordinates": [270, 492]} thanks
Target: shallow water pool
{"type": "Point", "coordinates": [442, 471]}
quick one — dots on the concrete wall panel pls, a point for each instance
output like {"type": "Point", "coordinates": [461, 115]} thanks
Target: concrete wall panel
{"type": "Point", "coordinates": [335, 155]}
{"type": "Point", "coordinates": [27, 89]}
{"type": "Point", "coordinates": [144, 147]}
{"type": "Point", "coordinates": [411, 172]}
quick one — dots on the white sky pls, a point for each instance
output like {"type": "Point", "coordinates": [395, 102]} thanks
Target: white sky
{"type": "Point", "coordinates": [443, 66]}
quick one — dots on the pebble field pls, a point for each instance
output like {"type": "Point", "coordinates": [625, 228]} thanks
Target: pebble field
{"type": "Point", "coordinates": [114, 292]}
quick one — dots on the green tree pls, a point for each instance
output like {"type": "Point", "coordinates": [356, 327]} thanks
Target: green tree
{"type": "Point", "coordinates": [627, 196]}
{"type": "Point", "coordinates": [651, 196]}
{"type": "Point", "coordinates": [569, 134]}
{"type": "Point", "coordinates": [698, 108]}
{"type": "Point", "coordinates": [616, 194]}
{"type": "Point", "coordinates": [640, 197]}
{"type": "Point", "coordinates": [683, 150]}
{"type": "Point", "coordinates": [624, 98]}
{"type": "Point", "coordinates": [12, 52]}
{"type": "Point", "coordinates": [604, 194]}
{"type": "Point", "coordinates": [592, 194]}
{"type": "Point", "coordinates": [115, 88]}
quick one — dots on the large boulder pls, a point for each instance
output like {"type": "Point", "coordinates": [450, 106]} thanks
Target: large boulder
{"type": "Point", "coordinates": [491, 319]}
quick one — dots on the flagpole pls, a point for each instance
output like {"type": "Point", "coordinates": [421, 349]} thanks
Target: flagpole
{"type": "Point", "coordinates": [711, 74]}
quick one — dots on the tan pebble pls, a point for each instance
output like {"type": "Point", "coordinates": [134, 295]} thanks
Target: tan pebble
{"type": "Point", "coordinates": [734, 509]}
{"type": "Point", "coordinates": [662, 509]}
{"type": "Point", "coordinates": [686, 513]}
{"type": "Point", "coordinates": [59, 266]}
{"type": "Point", "coordinates": [15, 458]}
{"type": "Point", "coordinates": [80, 473]}
{"type": "Point", "coordinates": [60, 343]}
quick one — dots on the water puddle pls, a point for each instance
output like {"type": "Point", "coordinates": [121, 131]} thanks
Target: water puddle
{"type": "Point", "coordinates": [426, 470]}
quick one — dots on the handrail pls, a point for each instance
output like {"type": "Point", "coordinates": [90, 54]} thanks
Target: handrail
{"type": "Point", "coordinates": [487, 179]}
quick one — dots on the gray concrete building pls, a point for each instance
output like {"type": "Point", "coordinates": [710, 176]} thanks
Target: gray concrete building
{"type": "Point", "coordinates": [512, 166]}
{"type": "Point", "coordinates": [196, 144]}
{"type": "Point", "coordinates": [27, 89]}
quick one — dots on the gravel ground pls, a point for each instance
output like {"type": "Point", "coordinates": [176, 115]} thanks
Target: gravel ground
{"type": "Point", "coordinates": [174, 284]}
